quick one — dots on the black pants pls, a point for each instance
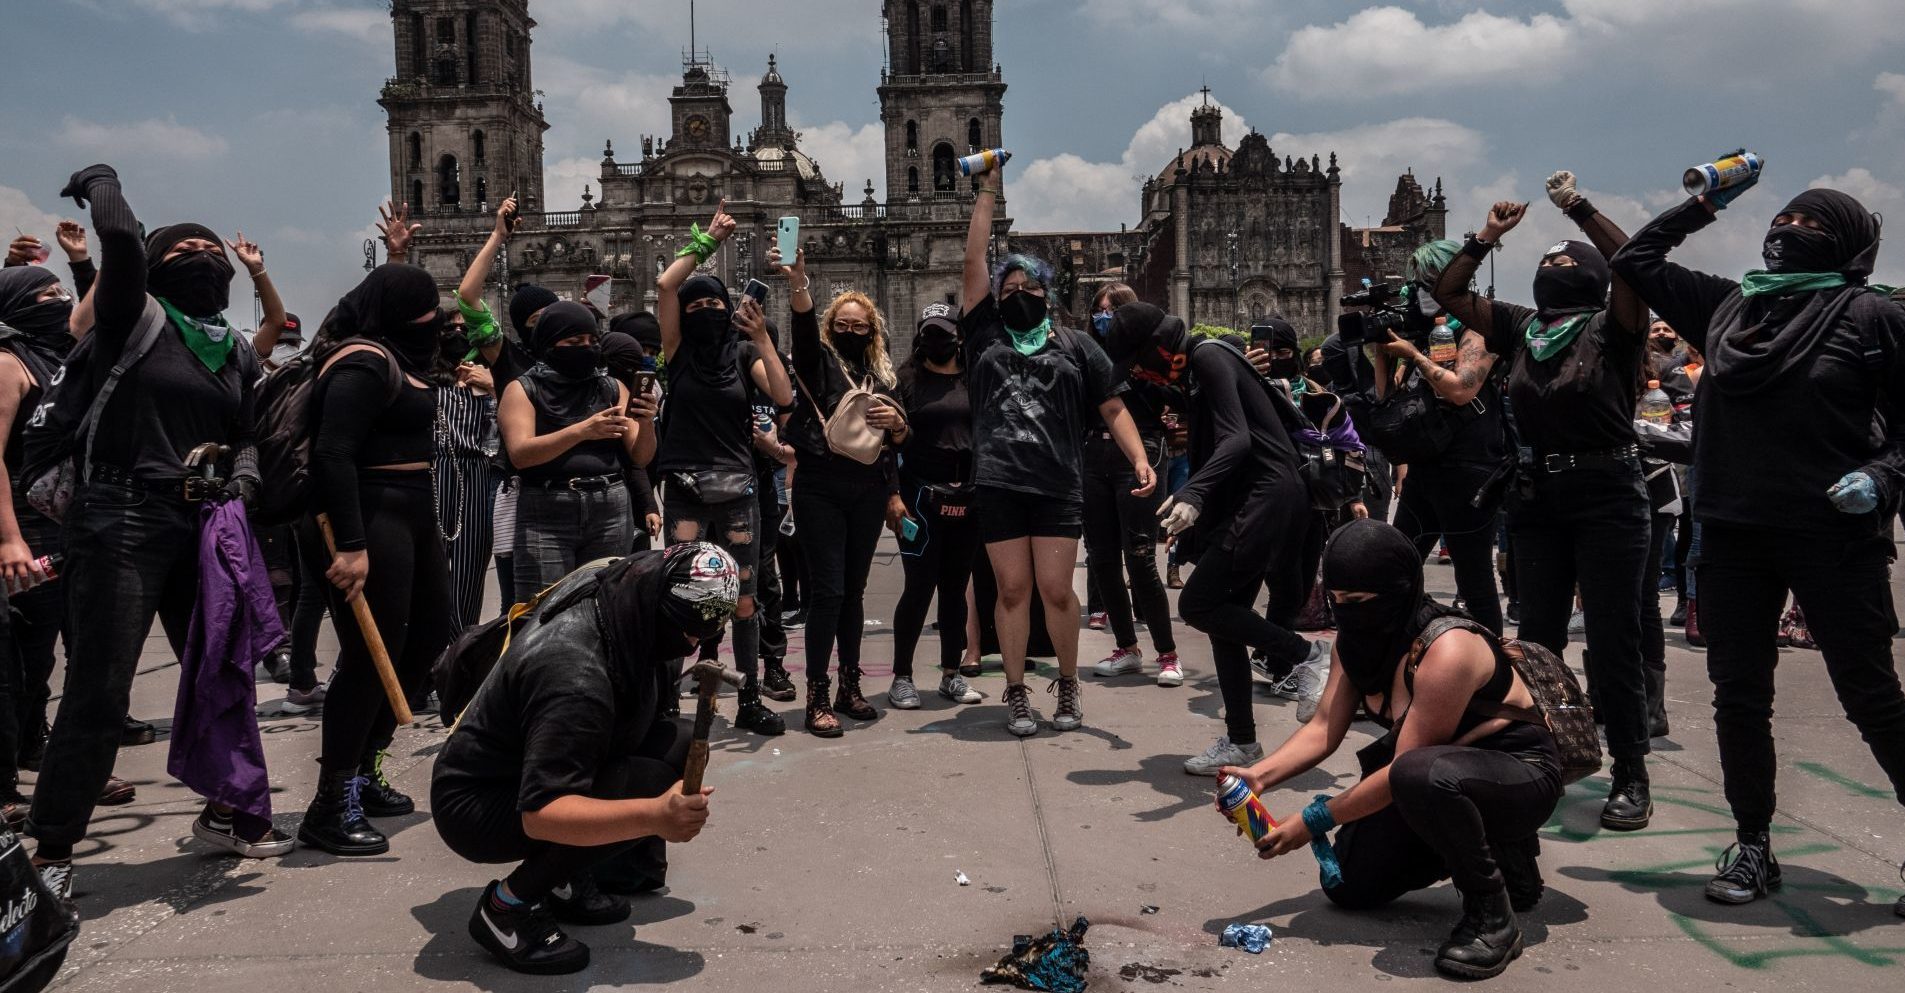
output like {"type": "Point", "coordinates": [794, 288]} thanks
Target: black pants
{"type": "Point", "coordinates": [1121, 539]}
{"type": "Point", "coordinates": [485, 827]}
{"type": "Point", "coordinates": [1653, 631]}
{"type": "Point", "coordinates": [1268, 527]}
{"type": "Point", "coordinates": [131, 555]}
{"type": "Point", "coordinates": [30, 625]}
{"type": "Point", "coordinates": [767, 585]}
{"type": "Point", "coordinates": [307, 617]}
{"type": "Point", "coordinates": [1590, 527]}
{"type": "Point", "coordinates": [793, 566]}
{"type": "Point", "coordinates": [937, 562]}
{"type": "Point", "coordinates": [1450, 804]}
{"type": "Point", "coordinates": [409, 595]}
{"type": "Point", "coordinates": [1435, 504]}
{"type": "Point", "coordinates": [1845, 589]}
{"type": "Point", "coordinates": [838, 515]}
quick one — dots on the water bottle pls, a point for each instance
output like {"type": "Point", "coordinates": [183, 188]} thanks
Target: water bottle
{"type": "Point", "coordinates": [1655, 406]}
{"type": "Point", "coordinates": [1442, 350]}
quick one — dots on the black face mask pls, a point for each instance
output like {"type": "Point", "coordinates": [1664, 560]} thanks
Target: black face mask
{"type": "Point", "coordinates": [1794, 248]}
{"type": "Point", "coordinates": [705, 328]}
{"type": "Point", "coordinates": [415, 343]}
{"type": "Point", "coordinates": [43, 319]}
{"type": "Point", "coordinates": [939, 348]}
{"type": "Point", "coordinates": [1568, 288]}
{"type": "Point", "coordinates": [198, 283]}
{"type": "Point", "coordinates": [574, 361]}
{"type": "Point", "coordinates": [455, 346]}
{"type": "Point", "coordinates": [852, 347]}
{"type": "Point", "coordinates": [1284, 368]}
{"type": "Point", "coordinates": [1316, 374]}
{"type": "Point", "coordinates": [1022, 311]}
{"type": "Point", "coordinates": [1371, 637]}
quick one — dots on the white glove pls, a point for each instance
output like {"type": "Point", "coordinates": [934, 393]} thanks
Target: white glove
{"type": "Point", "coordinates": [1561, 190]}
{"type": "Point", "coordinates": [1178, 517]}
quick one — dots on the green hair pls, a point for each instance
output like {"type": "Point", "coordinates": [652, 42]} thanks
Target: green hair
{"type": "Point", "coordinates": [1428, 261]}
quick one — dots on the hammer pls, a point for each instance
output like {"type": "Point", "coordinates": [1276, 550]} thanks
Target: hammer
{"type": "Point", "coordinates": [710, 674]}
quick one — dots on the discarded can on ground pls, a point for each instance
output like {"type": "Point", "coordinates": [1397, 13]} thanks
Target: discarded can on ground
{"type": "Point", "coordinates": [985, 161]}
{"type": "Point", "coordinates": [1252, 938]}
{"type": "Point", "coordinates": [1240, 804]}
{"type": "Point", "coordinates": [1730, 171]}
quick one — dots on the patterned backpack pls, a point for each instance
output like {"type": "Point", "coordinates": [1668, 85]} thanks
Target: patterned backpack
{"type": "Point", "coordinates": [1560, 704]}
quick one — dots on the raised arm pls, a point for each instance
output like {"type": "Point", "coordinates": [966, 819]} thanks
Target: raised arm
{"type": "Point", "coordinates": [668, 287]}
{"type": "Point", "coordinates": [119, 295]}
{"type": "Point", "coordinates": [1452, 290]}
{"type": "Point", "coordinates": [1627, 309]}
{"type": "Point", "coordinates": [766, 370]}
{"type": "Point", "coordinates": [1682, 297]}
{"type": "Point", "coordinates": [977, 281]}
{"type": "Point", "coordinates": [469, 292]}
{"type": "Point", "coordinates": [271, 324]}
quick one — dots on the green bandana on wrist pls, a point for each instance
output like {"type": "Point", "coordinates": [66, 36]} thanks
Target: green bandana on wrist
{"type": "Point", "coordinates": [1759, 282]}
{"type": "Point", "coordinates": [1545, 341]}
{"type": "Point", "coordinates": [210, 339]}
{"type": "Point", "coordinates": [1029, 342]}
{"type": "Point", "coordinates": [701, 245]}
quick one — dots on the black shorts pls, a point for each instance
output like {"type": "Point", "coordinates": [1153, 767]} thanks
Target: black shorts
{"type": "Point", "coordinates": [1005, 515]}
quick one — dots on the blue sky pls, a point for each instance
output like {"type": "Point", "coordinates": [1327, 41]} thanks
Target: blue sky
{"type": "Point", "coordinates": [260, 114]}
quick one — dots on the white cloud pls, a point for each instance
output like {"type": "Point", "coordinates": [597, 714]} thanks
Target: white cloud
{"type": "Point", "coordinates": [562, 182]}
{"type": "Point", "coordinates": [1892, 84]}
{"type": "Point", "coordinates": [17, 210]}
{"type": "Point", "coordinates": [150, 138]}
{"type": "Point", "coordinates": [202, 15]}
{"type": "Point", "coordinates": [1385, 50]}
{"type": "Point", "coordinates": [1196, 14]}
{"type": "Point", "coordinates": [814, 23]}
{"type": "Point", "coordinates": [848, 155]}
{"type": "Point", "coordinates": [1373, 155]}
{"type": "Point", "coordinates": [372, 27]}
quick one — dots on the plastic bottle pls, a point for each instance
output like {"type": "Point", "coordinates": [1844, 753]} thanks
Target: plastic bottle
{"type": "Point", "coordinates": [49, 567]}
{"type": "Point", "coordinates": [1655, 406]}
{"type": "Point", "coordinates": [1442, 349]}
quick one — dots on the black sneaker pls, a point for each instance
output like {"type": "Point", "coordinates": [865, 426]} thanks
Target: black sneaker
{"type": "Point", "coordinates": [581, 901]}
{"type": "Point", "coordinates": [278, 665]}
{"type": "Point", "coordinates": [1750, 874]}
{"type": "Point", "coordinates": [525, 938]}
{"type": "Point", "coordinates": [58, 877]}
{"type": "Point", "coordinates": [775, 683]}
{"type": "Point", "coordinates": [33, 746]}
{"type": "Point", "coordinates": [753, 715]}
{"type": "Point", "coordinates": [381, 799]}
{"type": "Point", "coordinates": [137, 732]}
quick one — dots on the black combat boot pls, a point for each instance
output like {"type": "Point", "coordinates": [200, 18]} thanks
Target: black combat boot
{"type": "Point", "coordinates": [1484, 941]}
{"type": "Point", "coordinates": [335, 820]}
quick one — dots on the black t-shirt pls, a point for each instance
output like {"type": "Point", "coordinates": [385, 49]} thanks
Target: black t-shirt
{"type": "Point", "coordinates": [1030, 411]}
{"type": "Point", "coordinates": [938, 408]}
{"type": "Point", "coordinates": [1479, 442]}
{"type": "Point", "coordinates": [170, 403]}
{"type": "Point", "coordinates": [708, 426]}
{"type": "Point", "coordinates": [1581, 400]}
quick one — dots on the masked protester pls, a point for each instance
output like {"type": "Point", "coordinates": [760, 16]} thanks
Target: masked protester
{"type": "Point", "coordinates": [1450, 793]}
{"type": "Point", "coordinates": [1583, 520]}
{"type": "Point", "coordinates": [466, 481]}
{"type": "Point", "coordinates": [569, 432]}
{"type": "Point", "coordinates": [1035, 386]}
{"type": "Point", "coordinates": [132, 532]}
{"type": "Point", "coordinates": [1245, 499]}
{"type": "Point", "coordinates": [567, 757]}
{"type": "Point", "coordinates": [1804, 334]}
{"type": "Point", "coordinates": [936, 485]}
{"type": "Point", "coordinates": [718, 360]}
{"type": "Point", "coordinates": [625, 358]}
{"type": "Point", "coordinates": [1438, 500]}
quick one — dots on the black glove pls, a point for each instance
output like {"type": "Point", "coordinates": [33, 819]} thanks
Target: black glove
{"type": "Point", "coordinates": [80, 186]}
{"type": "Point", "coordinates": [244, 489]}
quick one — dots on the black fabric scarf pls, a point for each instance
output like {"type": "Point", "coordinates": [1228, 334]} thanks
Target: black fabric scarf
{"type": "Point", "coordinates": [568, 399]}
{"type": "Point", "coordinates": [1755, 343]}
{"type": "Point", "coordinates": [384, 308]}
{"type": "Point", "coordinates": [629, 595]}
{"type": "Point", "coordinates": [708, 334]}
{"type": "Point", "coordinates": [39, 328]}
{"type": "Point", "coordinates": [1368, 556]}
{"type": "Point", "coordinates": [197, 283]}
{"type": "Point", "coordinates": [1577, 289]}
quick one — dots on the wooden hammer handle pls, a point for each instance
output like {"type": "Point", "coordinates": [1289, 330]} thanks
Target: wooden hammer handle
{"type": "Point", "coordinates": [367, 626]}
{"type": "Point", "coordinates": [697, 766]}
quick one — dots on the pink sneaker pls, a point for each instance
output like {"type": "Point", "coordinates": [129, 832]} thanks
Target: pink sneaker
{"type": "Point", "coordinates": [1169, 672]}
{"type": "Point", "coordinates": [1097, 621]}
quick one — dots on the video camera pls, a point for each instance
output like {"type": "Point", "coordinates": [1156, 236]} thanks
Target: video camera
{"type": "Point", "coordinates": [1371, 326]}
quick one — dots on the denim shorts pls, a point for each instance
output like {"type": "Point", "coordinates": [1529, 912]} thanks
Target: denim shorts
{"type": "Point", "coordinates": [1006, 515]}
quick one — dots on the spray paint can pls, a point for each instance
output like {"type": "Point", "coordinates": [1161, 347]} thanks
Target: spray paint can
{"type": "Point", "coordinates": [1240, 804]}
{"type": "Point", "coordinates": [990, 159]}
{"type": "Point", "coordinates": [1730, 171]}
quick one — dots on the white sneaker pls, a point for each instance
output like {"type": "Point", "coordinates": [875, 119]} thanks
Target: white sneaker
{"type": "Point", "coordinates": [1121, 662]}
{"type": "Point", "coordinates": [1222, 753]}
{"type": "Point", "coordinates": [903, 695]}
{"type": "Point", "coordinates": [58, 877]}
{"type": "Point", "coordinates": [1170, 673]}
{"type": "Point", "coordinates": [1311, 675]}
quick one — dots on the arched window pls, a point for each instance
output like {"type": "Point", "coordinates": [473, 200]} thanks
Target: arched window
{"type": "Point", "coordinates": [469, 45]}
{"type": "Point", "coordinates": [912, 136]}
{"type": "Point", "coordinates": [416, 150]}
{"type": "Point", "coordinates": [482, 193]}
{"type": "Point", "coordinates": [416, 193]}
{"type": "Point", "coordinates": [975, 137]}
{"type": "Point", "coordinates": [944, 168]}
{"type": "Point", "coordinates": [479, 145]}
{"type": "Point", "coordinates": [939, 18]}
{"type": "Point", "coordinates": [449, 181]}
{"type": "Point", "coordinates": [912, 179]}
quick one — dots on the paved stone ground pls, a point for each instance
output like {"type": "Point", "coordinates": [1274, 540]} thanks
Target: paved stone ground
{"type": "Point", "coordinates": [830, 865]}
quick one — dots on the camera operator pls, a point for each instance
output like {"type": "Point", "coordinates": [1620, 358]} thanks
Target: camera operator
{"type": "Point", "coordinates": [1450, 440]}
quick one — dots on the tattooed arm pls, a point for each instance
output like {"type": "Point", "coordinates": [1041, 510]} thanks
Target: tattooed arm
{"type": "Point", "coordinates": [1458, 385]}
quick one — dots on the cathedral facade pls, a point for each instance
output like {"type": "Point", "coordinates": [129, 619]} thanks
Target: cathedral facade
{"type": "Point", "coordinates": [1224, 236]}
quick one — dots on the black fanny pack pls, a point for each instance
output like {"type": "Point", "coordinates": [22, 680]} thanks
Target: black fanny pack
{"type": "Point", "coordinates": [711, 486]}
{"type": "Point", "coordinates": [947, 500]}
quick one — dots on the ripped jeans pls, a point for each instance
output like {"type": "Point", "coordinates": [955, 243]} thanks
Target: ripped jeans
{"type": "Point", "coordinates": [733, 526]}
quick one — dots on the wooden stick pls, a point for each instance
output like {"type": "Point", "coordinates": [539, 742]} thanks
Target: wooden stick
{"type": "Point", "coordinates": [367, 625]}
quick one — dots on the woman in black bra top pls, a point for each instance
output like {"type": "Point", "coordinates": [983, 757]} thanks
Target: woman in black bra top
{"type": "Point", "coordinates": [1450, 792]}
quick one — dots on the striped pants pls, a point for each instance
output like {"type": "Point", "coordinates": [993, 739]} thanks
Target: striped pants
{"type": "Point", "coordinates": [466, 494]}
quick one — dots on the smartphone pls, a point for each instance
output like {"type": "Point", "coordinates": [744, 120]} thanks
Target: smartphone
{"type": "Point", "coordinates": [644, 384]}
{"type": "Point", "coordinates": [757, 290]}
{"type": "Point", "coordinates": [788, 239]}
{"type": "Point", "coordinates": [514, 216]}
{"type": "Point", "coordinates": [909, 529]}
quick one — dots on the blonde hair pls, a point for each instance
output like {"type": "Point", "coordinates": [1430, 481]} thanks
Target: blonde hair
{"type": "Point", "coordinates": [877, 361]}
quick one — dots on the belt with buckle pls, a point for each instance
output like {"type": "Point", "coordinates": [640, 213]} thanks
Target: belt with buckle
{"type": "Point", "coordinates": [114, 475]}
{"type": "Point", "coordinates": [580, 483]}
{"type": "Point", "coordinates": [1568, 461]}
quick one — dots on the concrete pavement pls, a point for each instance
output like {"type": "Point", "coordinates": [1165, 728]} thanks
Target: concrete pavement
{"type": "Point", "coordinates": [830, 865]}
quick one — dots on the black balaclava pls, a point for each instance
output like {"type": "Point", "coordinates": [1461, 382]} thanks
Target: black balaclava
{"type": "Point", "coordinates": [653, 601]}
{"type": "Point", "coordinates": [566, 320]}
{"type": "Point", "coordinates": [524, 303]}
{"type": "Point", "coordinates": [197, 283]}
{"type": "Point", "coordinates": [643, 327]}
{"type": "Point", "coordinates": [385, 307]}
{"type": "Point", "coordinates": [708, 334]}
{"type": "Point", "coordinates": [1146, 341]}
{"type": "Point", "coordinates": [1577, 289]}
{"type": "Point", "coordinates": [1372, 636]}
{"type": "Point", "coordinates": [1847, 242]}
{"type": "Point", "coordinates": [622, 354]}
{"type": "Point", "coordinates": [43, 326]}
{"type": "Point", "coordinates": [937, 338]}
{"type": "Point", "coordinates": [1280, 335]}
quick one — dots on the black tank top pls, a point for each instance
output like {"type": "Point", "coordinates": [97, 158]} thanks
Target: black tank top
{"type": "Point", "coordinates": [600, 457]}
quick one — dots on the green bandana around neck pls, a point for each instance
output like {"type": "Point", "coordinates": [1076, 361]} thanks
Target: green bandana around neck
{"type": "Point", "coordinates": [1759, 282]}
{"type": "Point", "coordinates": [1545, 341]}
{"type": "Point", "coordinates": [1029, 342]}
{"type": "Point", "coordinates": [211, 339]}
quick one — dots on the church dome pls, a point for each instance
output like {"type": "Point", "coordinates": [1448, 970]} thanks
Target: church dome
{"type": "Point", "coordinates": [787, 158]}
{"type": "Point", "coordinates": [1217, 156]}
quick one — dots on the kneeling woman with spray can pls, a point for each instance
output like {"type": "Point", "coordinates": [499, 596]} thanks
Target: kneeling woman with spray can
{"type": "Point", "coordinates": [1455, 791]}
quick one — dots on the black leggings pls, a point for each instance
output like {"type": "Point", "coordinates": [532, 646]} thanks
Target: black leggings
{"type": "Point", "coordinates": [1450, 804]}
{"type": "Point", "coordinates": [1217, 598]}
{"type": "Point", "coordinates": [838, 516]}
{"type": "Point", "coordinates": [938, 562]}
{"type": "Point", "coordinates": [409, 595]}
{"type": "Point", "coordinates": [1653, 633]}
{"type": "Point", "coordinates": [1435, 504]}
{"type": "Point", "coordinates": [1121, 539]}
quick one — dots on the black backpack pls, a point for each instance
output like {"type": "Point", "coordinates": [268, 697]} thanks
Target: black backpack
{"type": "Point", "coordinates": [285, 430]}
{"type": "Point", "coordinates": [1333, 478]}
{"type": "Point", "coordinates": [460, 671]}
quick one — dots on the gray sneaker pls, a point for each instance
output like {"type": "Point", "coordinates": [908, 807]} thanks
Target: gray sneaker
{"type": "Point", "coordinates": [1070, 715]}
{"type": "Point", "coordinates": [1311, 675]}
{"type": "Point", "coordinates": [1285, 687]}
{"type": "Point", "coordinates": [903, 695]}
{"type": "Point", "coordinates": [954, 687]}
{"type": "Point", "coordinates": [1019, 718]}
{"type": "Point", "coordinates": [1222, 753]}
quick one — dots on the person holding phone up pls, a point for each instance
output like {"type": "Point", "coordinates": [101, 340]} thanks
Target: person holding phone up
{"type": "Point", "coordinates": [717, 356]}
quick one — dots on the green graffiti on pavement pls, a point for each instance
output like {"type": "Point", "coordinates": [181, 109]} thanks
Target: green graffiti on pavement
{"type": "Point", "coordinates": [1852, 785]}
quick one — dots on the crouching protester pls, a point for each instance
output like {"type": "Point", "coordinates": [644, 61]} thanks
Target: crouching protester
{"type": "Point", "coordinates": [1455, 791]}
{"type": "Point", "coordinates": [566, 755]}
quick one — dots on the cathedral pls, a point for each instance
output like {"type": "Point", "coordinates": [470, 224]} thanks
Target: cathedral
{"type": "Point", "coordinates": [1224, 235]}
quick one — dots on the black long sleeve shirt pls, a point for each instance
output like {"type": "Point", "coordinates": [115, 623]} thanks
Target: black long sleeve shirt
{"type": "Point", "coordinates": [1767, 460]}
{"type": "Point", "coordinates": [1237, 436]}
{"type": "Point", "coordinates": [359, 425]}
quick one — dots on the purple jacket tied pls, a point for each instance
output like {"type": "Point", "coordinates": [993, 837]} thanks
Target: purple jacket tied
{"type": "Point", "coordinates": [216, 748]}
